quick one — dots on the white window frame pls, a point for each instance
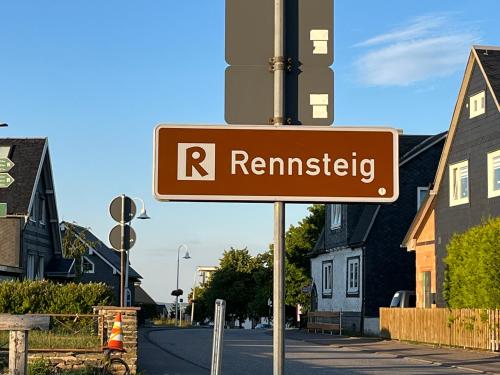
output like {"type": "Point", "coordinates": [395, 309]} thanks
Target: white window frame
{"type": "Point", "coordinates": [327, 278]}
{"type": "Point", "coordinates": [353, 275]}
{"type": "Point", "coordinates": [491, 173]}
{"type": "Point", "coordinates": [30, 267]}
{"type": "Point", "coordinates": [84, 258]}
{"type": "Point", "coordinates": [43, 211]}
{"type": "Point", "coordinates": [335, 216]}
{"type": "Point", "coordinates": [421, 199]}
{"type": "Point", "coordinates": [32, 217]}
{"type": "Point", "coordinates": [455, 183]}
{"type": "Point", "coordinates": [128, 297]}
{"type": "Point", "coordinates": [477, 104]}
{"type": "Point", "coordinates": [41, 268]}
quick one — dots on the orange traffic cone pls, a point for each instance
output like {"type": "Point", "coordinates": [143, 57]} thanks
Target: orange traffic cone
{"type": "Point", "coordinates": [116, 338]}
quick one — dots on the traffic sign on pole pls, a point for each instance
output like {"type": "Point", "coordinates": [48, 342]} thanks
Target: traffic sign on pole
{"type": "Point", "coordinates": [308, 54]}
{"type": "Point", "coordinates": [122, 209]}
{"type": "Point", "coordinates": [249, 96]}
{"type": "Point", "coordinates": [268, 163]}
{"type": "Point", "coordinates": [6, 164]}
{"type": "Point", "coordinates": [115, 237]}
{"type": "Point", "coordinates": [250, 32]}
{"type": "Point", "coordinates": [5, 180]}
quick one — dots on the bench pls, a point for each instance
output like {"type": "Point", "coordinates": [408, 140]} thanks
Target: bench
{"type": "Point", "coordinates": [330, 321]}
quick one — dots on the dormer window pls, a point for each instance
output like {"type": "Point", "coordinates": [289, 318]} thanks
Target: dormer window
{"type": "Point", "coordinates": [87, 265]}
{"type": "Point", "coordinates": [477, 104]}
{"type": "Point", "coordinates": [336, 216]}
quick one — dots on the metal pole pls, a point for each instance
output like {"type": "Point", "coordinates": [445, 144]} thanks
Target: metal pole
{"type": "Point", "coordinates": [219, 322]}
{"type": "Point", "coordinates": [177, 287]}
{"type": "Point", "coordinates": [127, 262]}
{"type": "Point", "coordinates": [279, 207]}
{"type": "Point", "coordinates": [194, 296]}
{"type": "Point", "coordinates": [122, 255]}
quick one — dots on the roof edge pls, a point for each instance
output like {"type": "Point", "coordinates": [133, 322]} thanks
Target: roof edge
{"type": "Point", "coordinates": [485, 75]}
{"type": "Point", "coordinates": [37, 178]}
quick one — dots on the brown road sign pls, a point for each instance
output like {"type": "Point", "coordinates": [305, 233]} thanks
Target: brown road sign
{"type": "Point", "coordinates": [266, 163]}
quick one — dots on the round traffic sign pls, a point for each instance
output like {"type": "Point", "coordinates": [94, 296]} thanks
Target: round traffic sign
{"type": "Point", "coordinates": [122, 209]}
{"type": "Point", "coordinates": [115, 237]}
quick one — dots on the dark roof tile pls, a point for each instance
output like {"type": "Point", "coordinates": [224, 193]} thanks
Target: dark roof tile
{"type": "Point", "coordinates": [26, 155]}
{"type": "Point", "coordinates": [490, 60]}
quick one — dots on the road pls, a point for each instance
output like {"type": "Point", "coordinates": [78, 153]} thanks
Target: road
{"type": "Point", "coordinates": [249, 352]}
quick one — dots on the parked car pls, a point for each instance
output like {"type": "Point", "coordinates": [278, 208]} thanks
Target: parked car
{"type": "Point", "coordinates": [263, 326]}
{"type": "Point", "coordinates": [404, 298]}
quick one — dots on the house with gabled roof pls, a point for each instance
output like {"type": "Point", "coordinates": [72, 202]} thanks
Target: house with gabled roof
{"type": "Point", "coordinates": [466, 189]}
{"type": "Point", "coordinates": [101, 263]}
{"type": "Point", "coordinates": [30, 241]}
{"type": "Point", "coordinates": [357, 263]}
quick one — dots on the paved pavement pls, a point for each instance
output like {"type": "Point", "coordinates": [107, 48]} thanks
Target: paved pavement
{"type": "Point", "coordinates": [188, 352]}
{"type": "Point", "coordinates": [482, 362]}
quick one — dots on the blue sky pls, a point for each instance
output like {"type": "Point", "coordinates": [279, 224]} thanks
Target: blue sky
{"type": "Point", "coordinates": [95, 77]}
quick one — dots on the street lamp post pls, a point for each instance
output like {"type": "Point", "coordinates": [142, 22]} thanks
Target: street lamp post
{"type": "Point", "coordinates": [186, 256]}
{"type": "Point", "coordinates": [142, 216]}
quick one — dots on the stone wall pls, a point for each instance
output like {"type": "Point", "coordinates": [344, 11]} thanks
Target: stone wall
{"type": "Point", "coordinates": [79, 359]}
{"type": "Point", "coordinates": [129, 326]}
{"type": "Point", "coordinates": [68, 360]}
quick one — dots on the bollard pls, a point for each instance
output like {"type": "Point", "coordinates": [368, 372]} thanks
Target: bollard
{"type": "Point", "coordinates": [219, 322]}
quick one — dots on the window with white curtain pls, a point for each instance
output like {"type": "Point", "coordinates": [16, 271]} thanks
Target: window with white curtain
{"type": "Point", "coordinates": [459, 183]}
{"type": "Point", "coordinates": [336, 216]}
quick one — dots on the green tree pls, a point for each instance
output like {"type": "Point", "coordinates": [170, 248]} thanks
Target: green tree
{"type": "Point", "coordinates": [301, 239]}
{"type": "Point", "coordinates": [244, 281]}
{"type": "Point", "coordinates": [299, 242]}
{"type": "Point", "coordinates": [74, 247]}
{"type": "Point", "coordinates": [232, 281]}
{"type": "Point", "coordinates": [472, 276]}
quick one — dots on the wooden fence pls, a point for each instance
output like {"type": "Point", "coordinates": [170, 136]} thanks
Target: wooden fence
{"type": "Point", "coordinates": [467, 328]}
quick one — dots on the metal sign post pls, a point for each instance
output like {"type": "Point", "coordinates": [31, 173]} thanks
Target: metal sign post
{"type": "Point", "coordinates": [218, 340]}
{"type": "Point", "coordinates": [279, 207]}
{"type": "Point", "coordinates": [122, 210]}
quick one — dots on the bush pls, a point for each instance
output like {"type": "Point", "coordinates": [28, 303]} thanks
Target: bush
{"type": "Point", "coordinates": [39, 367]}
{"type": "Point", "coordinates": [472, 278]}
{"type": "Point", "coordinates": [46, 297]}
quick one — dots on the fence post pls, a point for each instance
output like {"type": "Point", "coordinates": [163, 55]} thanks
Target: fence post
{"type": "Point", "coordinates": [19, 325]}
{"type": "Point", "coordinates": [18, 352]}
{"type": "Point", "coordinates": [219, 322]}
{"type": "Point", "coordinates": [340, 324]}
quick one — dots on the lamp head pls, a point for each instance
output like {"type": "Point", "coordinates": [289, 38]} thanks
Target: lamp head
{"type": "Point", "coordinates": [186, 256]}
{"type": "Point", "coordinates": [143, 215]}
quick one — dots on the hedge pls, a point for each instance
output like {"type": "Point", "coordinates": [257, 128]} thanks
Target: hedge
{"type": "Point", "coordinates": [46, 297]}
{"type": "Point", "coordinates": [472, 277]}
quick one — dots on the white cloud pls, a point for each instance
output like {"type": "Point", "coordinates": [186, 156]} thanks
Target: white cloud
{"type": "Point", "coordinates": [427, 47]}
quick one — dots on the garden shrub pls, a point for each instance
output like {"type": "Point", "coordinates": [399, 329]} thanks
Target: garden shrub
{"type": "Point", "coordinates": [472, 277]}
{"type": "Point", "coordinates": [46, 297]}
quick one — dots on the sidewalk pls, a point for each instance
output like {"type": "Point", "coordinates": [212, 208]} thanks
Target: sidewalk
{"type": "Point", "coordinates": [482, 362]}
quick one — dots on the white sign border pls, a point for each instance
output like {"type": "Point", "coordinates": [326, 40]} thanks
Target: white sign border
{"type": "Point", "coordinates": [278, 198]}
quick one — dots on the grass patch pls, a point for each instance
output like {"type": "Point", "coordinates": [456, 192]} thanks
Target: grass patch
{"type": "Point", "coordinates": [171, 323]}
{"type": "Point", "coordinates": [41, 367]}
{"type": "Point", "coordinates": [49, 340]}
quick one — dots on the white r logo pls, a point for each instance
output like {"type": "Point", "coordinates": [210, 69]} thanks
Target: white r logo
{"type": "Point", "coordinates": [196, 161]}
